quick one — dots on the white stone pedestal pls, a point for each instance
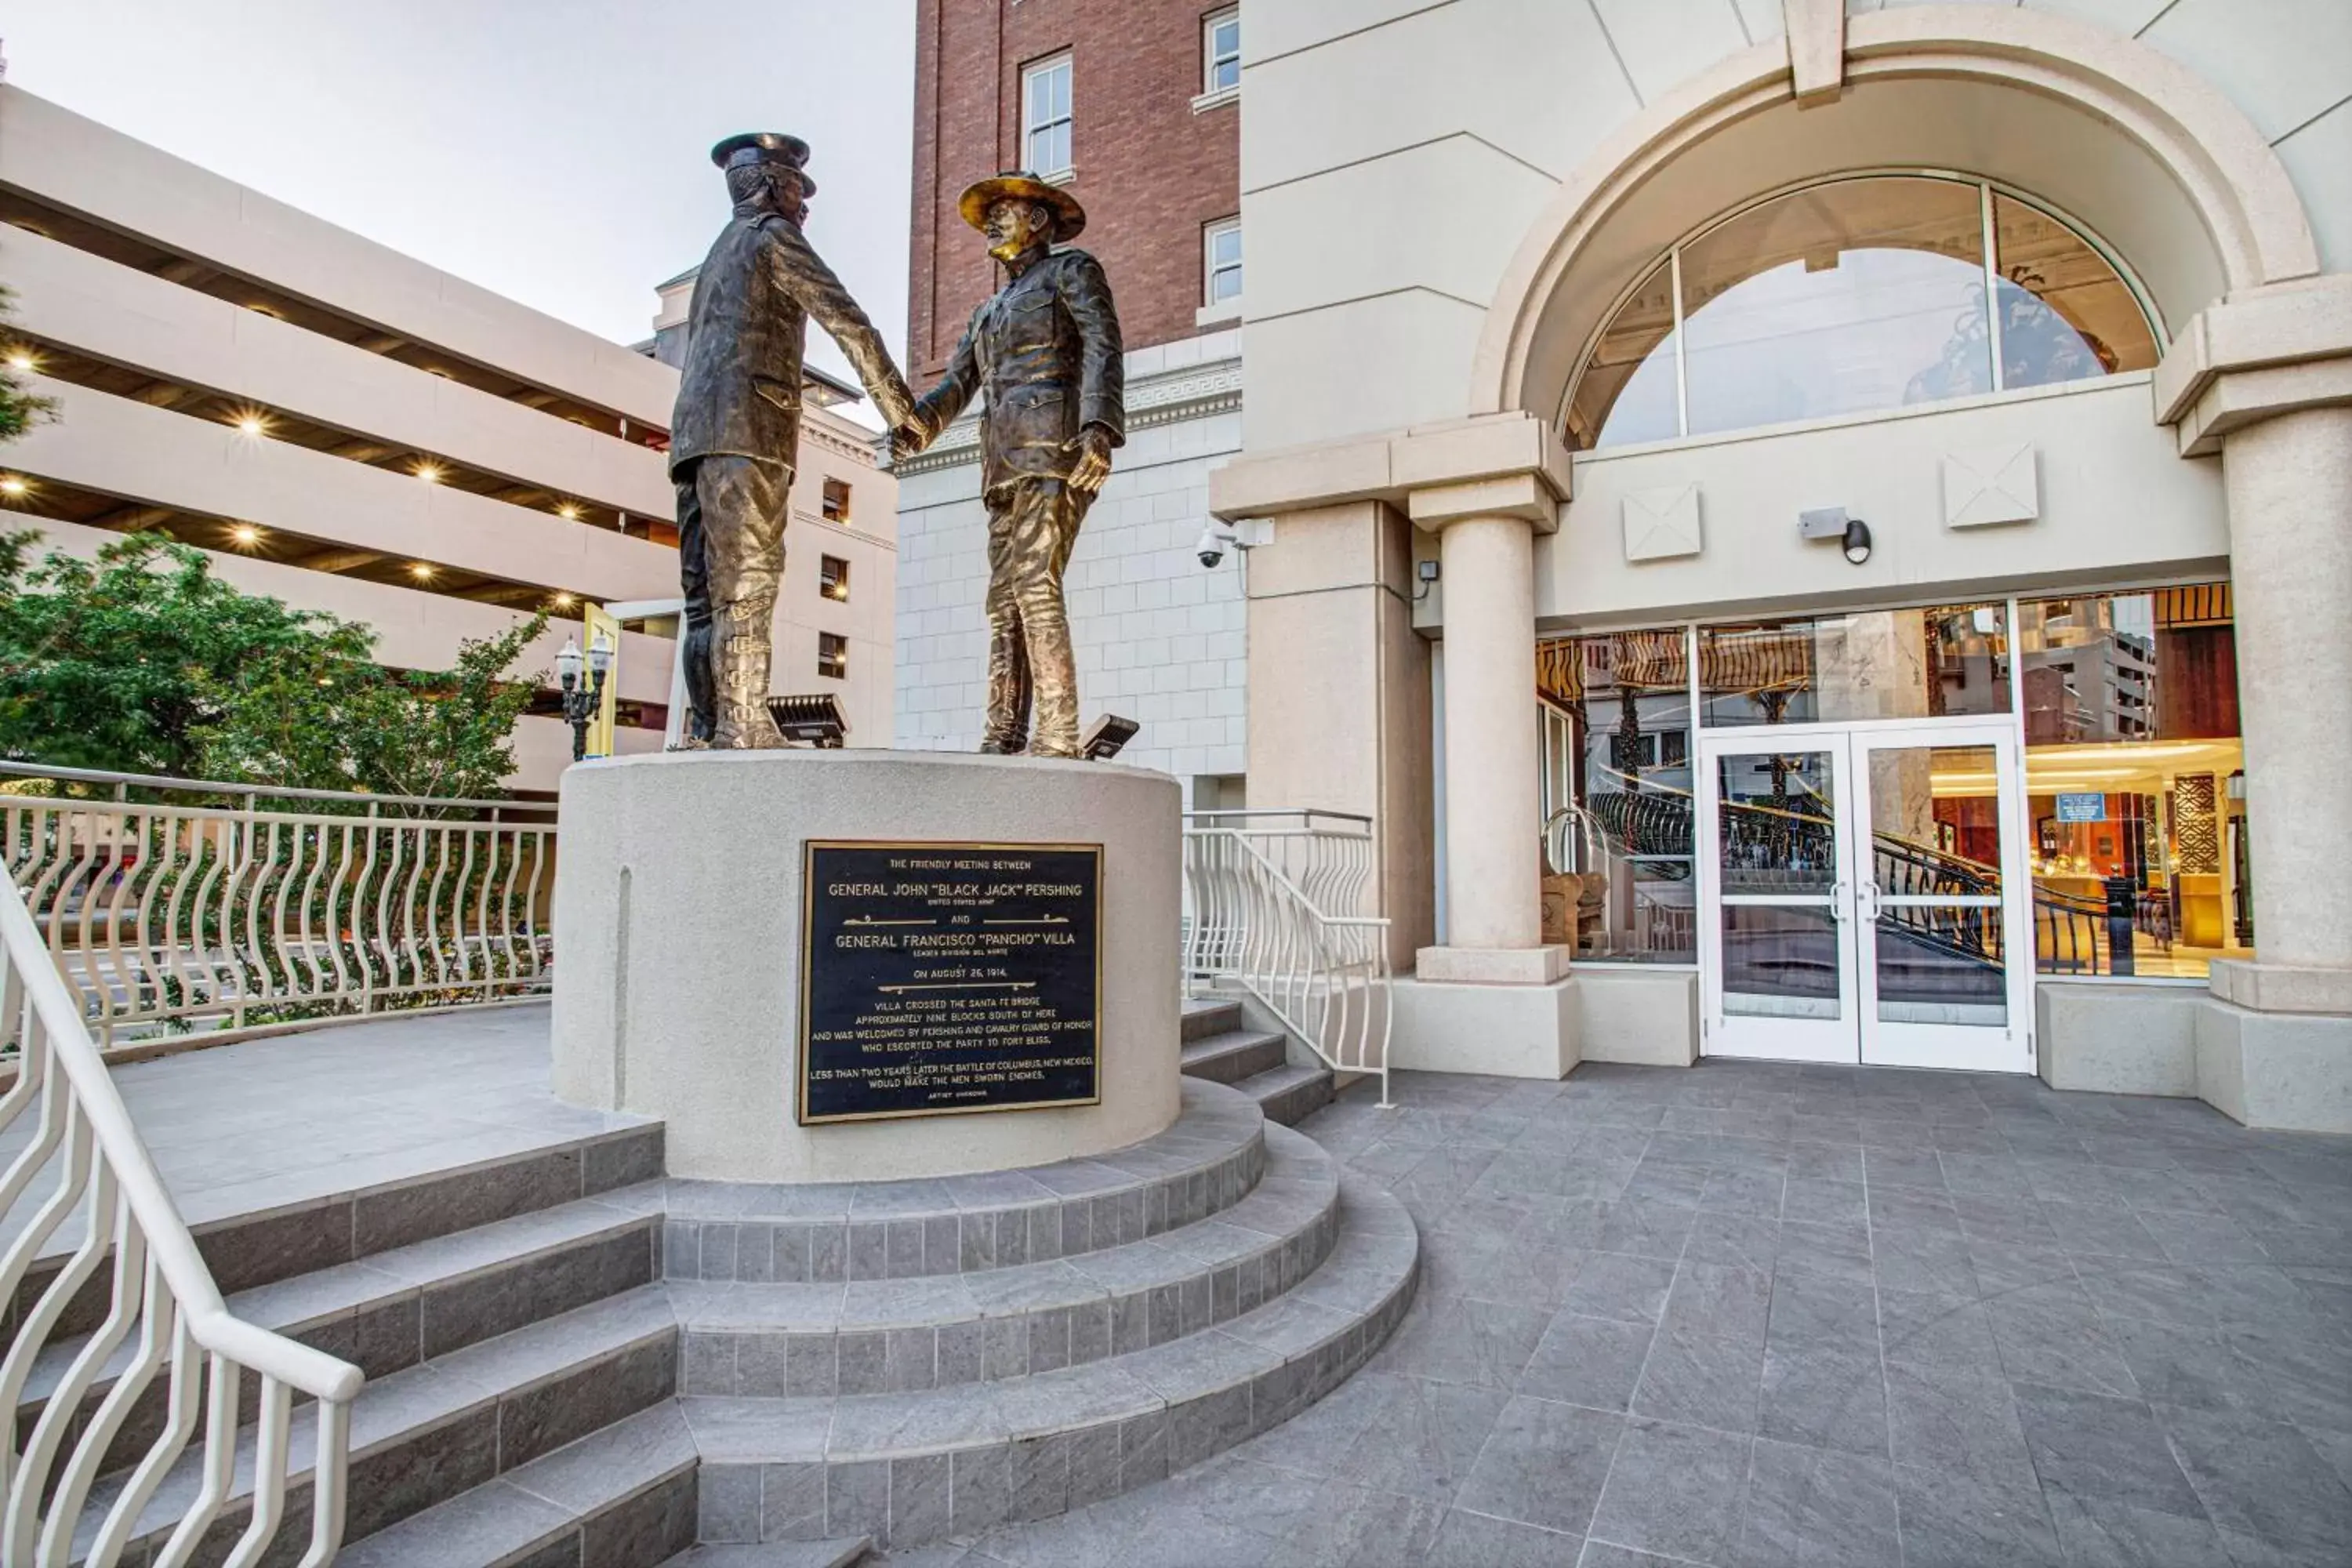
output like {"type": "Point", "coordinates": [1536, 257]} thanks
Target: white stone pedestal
{"type": "Point", "coordinates": [678, 916]}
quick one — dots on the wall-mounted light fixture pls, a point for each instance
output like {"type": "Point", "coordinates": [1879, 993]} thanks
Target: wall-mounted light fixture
{"type": "Point", "coordinates": [1852, 533]}
{"type": "Point", "coordinates": [1857, 541]}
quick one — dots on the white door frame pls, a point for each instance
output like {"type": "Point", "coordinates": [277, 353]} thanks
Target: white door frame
{"type": "Point", "coordinates": [1831, 1037]}
{"type": "Point", "coordinates": [1853, 1031]}
{"type": "Point", "coordinates": [1975, 1047]}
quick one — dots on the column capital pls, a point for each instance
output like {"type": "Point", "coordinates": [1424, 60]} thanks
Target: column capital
{"type": "Point", "coordinates": [1396, 466]}
{"type": "Point", "coordinates": [2255, 353]}
{"type": "Point", "coordinates": [1522, 495]}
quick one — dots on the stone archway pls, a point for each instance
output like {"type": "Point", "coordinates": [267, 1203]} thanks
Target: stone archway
{"type": "Point", "coordinates": [2139, 147]}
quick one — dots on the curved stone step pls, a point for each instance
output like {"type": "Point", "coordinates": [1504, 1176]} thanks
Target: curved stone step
{"type": "Point", "coordinates": [903, 1335]}
{"type": "Point", "coordinates": [909, 1468]}
{"type": "Point", "coordinates": [1207, 1161]}
{"type": "Point", "coordinates": [1234, 1054]}
{"type": "Point", "coordinates": [623, 1495]}
{"type": "Point", "coordinates": [422, 1437]}
{"type": "Point", "coordinates": [1206, 1015]}
{"type": "Point", "coordinates": [396, 1308]}
{"type": "Point", "coordinates": [1290, 1094]}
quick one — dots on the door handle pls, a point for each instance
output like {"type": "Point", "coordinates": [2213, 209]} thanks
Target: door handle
{"type": "Point", "coordinates": [1867, 902]}
{"type": "Point", "coordinates": [1837, 902]}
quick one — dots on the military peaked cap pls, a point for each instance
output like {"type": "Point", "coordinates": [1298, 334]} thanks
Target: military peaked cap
{"type": "Point", "coordinates": [766, 147]}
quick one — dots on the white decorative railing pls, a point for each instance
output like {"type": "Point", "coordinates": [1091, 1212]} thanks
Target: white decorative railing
{"type": "Point", "coordinates": [168, 911]}
{"type": "Point", "coordinates": [160, 1292]}
{"type": "Point", "coordinates": [1266, 902]}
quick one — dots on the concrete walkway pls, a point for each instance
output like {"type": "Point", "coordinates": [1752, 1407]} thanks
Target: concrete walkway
{"type": "Point", "coordinates": [1752, 1314]}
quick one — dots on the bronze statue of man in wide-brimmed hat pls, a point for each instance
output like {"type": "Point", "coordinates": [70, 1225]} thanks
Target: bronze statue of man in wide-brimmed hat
{"type": "Point", "coordinates": [1047, 352]}
{"type": "Point", "coordinates": [735, 431]}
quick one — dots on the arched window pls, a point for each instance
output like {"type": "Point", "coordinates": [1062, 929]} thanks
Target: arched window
{"type": "Point", "coordinates": [1852, 297]}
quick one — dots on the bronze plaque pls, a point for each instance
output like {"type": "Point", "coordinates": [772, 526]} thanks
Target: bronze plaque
{"type": "Point", "coordinates": [939, 979]}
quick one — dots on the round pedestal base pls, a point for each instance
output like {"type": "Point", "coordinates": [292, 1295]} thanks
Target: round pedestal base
{"type": "Point", "coordinates": [680, 913]}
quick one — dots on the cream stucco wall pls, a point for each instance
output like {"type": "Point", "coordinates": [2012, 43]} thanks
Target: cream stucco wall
{"type": "Point", "coordinates": [1394, 155]}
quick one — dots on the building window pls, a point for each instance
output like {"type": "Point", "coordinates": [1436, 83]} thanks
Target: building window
{"type": "Point", "coordinates": [832, 578]}
{"type": "Point", "coordinates": [1221, 50]}
{"type": "Point", "coordinates": [1947, 662]}
{"type": "Point", "coordinates": [1855, 296]}
{"type": "Point", "coordinates": [836, 503]}
{"type": "Point", "coordinates": [1616, 721]}
{"type": "Point", "coordinates": [1221, 261]}
{"type": "Point", "coordinates": [2135, 783]}
{"type": "Point", "coordinates": [832, 655]}
{"type": "Point", "coordinates": [1045, 115]}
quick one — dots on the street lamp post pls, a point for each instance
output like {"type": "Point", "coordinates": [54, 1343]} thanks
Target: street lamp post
{"type": "Point", "coordinates": [580, 706]}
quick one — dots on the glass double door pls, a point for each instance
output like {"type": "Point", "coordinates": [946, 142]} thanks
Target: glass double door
{"type": "Point", "coordinates": [1862, 896]}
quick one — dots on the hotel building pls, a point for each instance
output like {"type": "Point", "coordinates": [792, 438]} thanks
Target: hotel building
{"type": "Point", "coordinates": [1815, 531]}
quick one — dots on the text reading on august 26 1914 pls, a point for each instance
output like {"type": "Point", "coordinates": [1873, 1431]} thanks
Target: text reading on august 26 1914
{"type": "Point", "coordinates": [940, 978]}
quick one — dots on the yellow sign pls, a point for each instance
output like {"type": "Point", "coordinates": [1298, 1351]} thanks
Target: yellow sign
{"type": "Point", "coordinates": [594, 622]}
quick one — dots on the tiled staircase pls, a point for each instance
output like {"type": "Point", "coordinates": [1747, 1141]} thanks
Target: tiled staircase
{"type": "Point", "coordinates": [1220, 1046]}
{"type": "Point", "coordinates": [576, 1363]}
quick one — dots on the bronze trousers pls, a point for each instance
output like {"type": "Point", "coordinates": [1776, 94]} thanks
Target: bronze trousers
{"type": "Point", "coordinates": [731, 545]}
{"type": "Point", "coordinates": [1031, 525]}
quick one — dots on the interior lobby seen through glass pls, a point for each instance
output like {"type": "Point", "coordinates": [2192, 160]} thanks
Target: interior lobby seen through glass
{"type": "Point", "coordinates": [1615, 715]}
{"type": "Point", "coordinates": [2135, 781]}
{"type": "Point", "coordinates": [1950, 661]}
{"type": "Point", "coordinates": [1855, 297]}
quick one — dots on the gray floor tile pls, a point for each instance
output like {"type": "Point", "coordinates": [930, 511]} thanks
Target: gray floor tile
{"type": "Point", "coordinates": [1349, 1526]}
{"type": "Point", "coordinates": [1953, 1518]}
{"type": "Point", "coordinates": [1425, 1438]}
{"type": "Point", "coordinates": [1818, 1312]}
{"type": "Point", "coordinates": [2098, 1447]}
{"type": "Point", "coordinates": [1544, 1465]}
{"type": "Point", "coordinates": [1466, 1540]}
{"type": "Point", "coordinates": [1719, 1300]}
{"type": "Point", "coordinates": [1701, 1380]}
{"type": "Point", "coordinates": [2262, 1479]}
{"type": "Point", "coordinates": [2060, 1347]}
{"type": "Point", "coordinates": [1955, 1419]}
{"type": "Point", "coordinates": [2099, 1532]}
{"type": "Point", "coordinates": [1590, 1362]}
{"type": "Point", "coordinates": [1807, 1508]}
{"type": "Point", "coordinates": [1824, 1398]}
{"type": "Point", "coordinates": [1621, 1287]}
{"type": "Point", "coordinates": [1934, 1328]}
{"type": "Point", "coordinates": [1460, 1339]}
{"type": "Point", "coordinates": [1674, 1490]}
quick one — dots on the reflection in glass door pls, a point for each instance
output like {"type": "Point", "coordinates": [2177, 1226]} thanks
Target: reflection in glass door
{"type": "Point", "coordinates": [1777, 949]}
{"type": "Point", "coordinates": [1857, 899]}
{"type": "Point", "coordinates": [1941, 983]}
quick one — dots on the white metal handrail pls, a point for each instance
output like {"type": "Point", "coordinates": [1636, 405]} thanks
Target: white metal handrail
{"type": "Point", "coordinates": [1260, 889]}
{"type": "Point", "coordinates": [82, 1135]}
{"type": "Point", "coordinates": [168, 918]}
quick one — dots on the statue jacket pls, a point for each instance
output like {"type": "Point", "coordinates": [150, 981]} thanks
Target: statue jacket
{"type": "Point", "coordinates": [1047, 353]}
{"type": "Point", "coordinates": [739, 390]}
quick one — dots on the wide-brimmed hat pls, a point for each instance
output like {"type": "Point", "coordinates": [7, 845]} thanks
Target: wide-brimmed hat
{"type": "Point", "coordinates": [766, 147]}
{"type": "Point", "coordinates": [1022, 185]}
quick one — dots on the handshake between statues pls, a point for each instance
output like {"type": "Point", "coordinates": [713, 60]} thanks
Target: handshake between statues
{"type": "Point", "coordinates": [1044, 351]}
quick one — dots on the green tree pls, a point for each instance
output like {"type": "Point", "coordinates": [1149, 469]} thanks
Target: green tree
{"type": "Point", "coordinates": [143, 661]}
{"type": "Point", "coordinates": [19, 409]}
{"type": "Point", "coordinates": [318, 718]}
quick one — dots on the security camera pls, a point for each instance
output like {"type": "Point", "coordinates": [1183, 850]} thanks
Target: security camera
{"type": "Point", "coordinates": [1215, 539]}
{"type": "Point", "coordinates": [1220, 536]}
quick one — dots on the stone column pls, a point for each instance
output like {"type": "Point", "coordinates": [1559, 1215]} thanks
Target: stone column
{"type": "Point", "coordinates": [1486, 534]}
{"type": "Point", "coordinates": [2265, 378]}
{"type": "Point", "coordinates": [1339, 708]}
{"type": "Point", "coordinates": [2289, 482]}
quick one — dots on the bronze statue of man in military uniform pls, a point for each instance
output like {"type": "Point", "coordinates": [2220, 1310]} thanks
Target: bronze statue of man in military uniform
{"type": "Point", "coordinates": [1047, 352]}
{"type": "Point", "coordinates": [736, 432]}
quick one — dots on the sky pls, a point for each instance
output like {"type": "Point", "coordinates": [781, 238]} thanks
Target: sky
{"type": "Point", "coordinates": [554, 150]}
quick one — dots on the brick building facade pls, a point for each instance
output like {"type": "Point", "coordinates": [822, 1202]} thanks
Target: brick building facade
{"type": "Point", "coordinates": [1150, 167]}
{"type": "Point", "coordinates": [1150, 122]}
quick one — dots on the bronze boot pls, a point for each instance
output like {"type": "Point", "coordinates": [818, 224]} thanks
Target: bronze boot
{"type": "Point", "coordinates": [742, 659]}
